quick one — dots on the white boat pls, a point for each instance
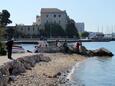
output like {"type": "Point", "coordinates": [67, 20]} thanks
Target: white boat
{"type": "Point", "coordinates": [18, 49]}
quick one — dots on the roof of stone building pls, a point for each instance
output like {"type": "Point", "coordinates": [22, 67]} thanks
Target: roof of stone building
{"type": "Point", "coordinates": [50, 10]}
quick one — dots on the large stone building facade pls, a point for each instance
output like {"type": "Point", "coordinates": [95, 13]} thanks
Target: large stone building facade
{"type": "Point", "coordinates": [47, 15]}
{"type": "Point", "coordinates": [52, 15]}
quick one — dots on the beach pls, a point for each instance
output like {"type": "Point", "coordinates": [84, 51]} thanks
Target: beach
{"type": "Point", "coordinates": [52, 73]}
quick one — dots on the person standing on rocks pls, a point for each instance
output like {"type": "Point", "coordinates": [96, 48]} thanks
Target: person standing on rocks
{"type": "Point", "coordinates": [77, 47]}
{"type": "Point", "coordinates": [65, 46]}
{"type": "Point", "coordinates": [9, 45]}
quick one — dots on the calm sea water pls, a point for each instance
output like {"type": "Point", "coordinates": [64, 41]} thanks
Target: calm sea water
{"type": "Point", "coordinates": [96, 71]}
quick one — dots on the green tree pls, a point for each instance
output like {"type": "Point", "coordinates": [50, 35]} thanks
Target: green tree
{"type": "Point", "coordinates": [4, 18]}
{"type": "Point", "coordinates": [10, 32]}
{"type": "Point", "coordinates": [53, 30]}
{"type": "Point", "coordinates": [84, 34]}
{"type": "Point", "coordinates": [71, 30]}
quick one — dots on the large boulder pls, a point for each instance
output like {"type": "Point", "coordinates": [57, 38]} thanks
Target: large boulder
{"type": "Point", "coordinates": [16, 67]}
{"type": "Point", "coordinates": [30, 60]}
{"type": "Point", "coordinates": [4, 75]}
{"type": "Point", "coordinates": [102, 52]}
{"type": "Point", "coordinates": [26, 64]}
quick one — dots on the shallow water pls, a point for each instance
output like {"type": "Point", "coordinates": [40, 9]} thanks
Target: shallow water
{"type": "Point", "coordinates": [96, 71]}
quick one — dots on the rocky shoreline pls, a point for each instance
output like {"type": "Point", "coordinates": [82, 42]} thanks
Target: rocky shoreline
{"type": "Point", "coordinates": [48, 69]}
{"type": "Point", "coordinates": [45, 69]}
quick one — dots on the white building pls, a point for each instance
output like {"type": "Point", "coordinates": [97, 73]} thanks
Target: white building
{"type": "Point", "coordinates": [80, 26]}
{"type": "Point", "coordinates": [96, 35]}
{"type": "Point", "coordinates": [52, 15]}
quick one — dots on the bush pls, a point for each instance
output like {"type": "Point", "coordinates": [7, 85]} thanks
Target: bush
{"type": "Point", "coordinates": [2, 49]}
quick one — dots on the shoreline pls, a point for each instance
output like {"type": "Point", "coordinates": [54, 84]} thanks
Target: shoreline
{"type": "Point", "coordinates": [53, 73]}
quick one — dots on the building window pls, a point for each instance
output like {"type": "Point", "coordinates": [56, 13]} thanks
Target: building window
{"type": "Point", "coordinates": [46, 15]}
{"type": "Point", "coordinates": [28, 29]}
{"type": "Point", "coordinates": [59, 15]}
{"type": "Point", "coordinates": [54, 16]}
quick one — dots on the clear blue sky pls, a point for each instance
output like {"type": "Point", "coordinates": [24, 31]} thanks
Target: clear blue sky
{"type": "Point", "coordinates": [93, 13]}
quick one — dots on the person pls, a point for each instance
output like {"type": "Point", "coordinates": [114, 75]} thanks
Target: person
{"type": "Point", "coordinates": [36, 50]}
{"type": "Point", "coordinates": [9, 45]}
{"type": "Point", "coordinates": [58, 44]}
{"type": "Point", "coordinates": [77, 47]}
{"type": "Point", "coordinates": [65, 47]}
{"type": "Point", "coordinates": [80, 47]}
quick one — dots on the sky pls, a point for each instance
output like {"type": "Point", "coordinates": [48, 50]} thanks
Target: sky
{"type": "Point", "coordinates": [98, 15]}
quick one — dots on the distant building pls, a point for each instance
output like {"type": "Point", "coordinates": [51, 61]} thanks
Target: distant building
{"type": "Point", "coordinates": [52, 15]}
{"type": "Point", "coordinates": [113, 35]}
{"type": "Point", "coordinates": [96, 35]}
{"type": "Point", "coordinates": [26, 30]}
{"type": "Point", "coordinates": [80, 26]}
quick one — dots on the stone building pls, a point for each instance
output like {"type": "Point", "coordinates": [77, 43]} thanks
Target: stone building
{"type": "Point", "coordinates": [26, 30]}
{"type": "Point", "coordinates": [52, 15]}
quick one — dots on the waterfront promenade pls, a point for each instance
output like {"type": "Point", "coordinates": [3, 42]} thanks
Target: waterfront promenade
{"type": "Point", "coordinates": [50, 40]}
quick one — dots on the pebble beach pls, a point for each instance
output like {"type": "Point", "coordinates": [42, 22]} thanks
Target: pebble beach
{"type": "Point", "coordinates": [52, 73]}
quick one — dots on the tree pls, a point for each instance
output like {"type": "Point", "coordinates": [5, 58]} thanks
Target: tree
{"type": "Point", "coordinates": [71, 29]}
{"type": "Point", "coordinates": [53, 30]}
{"type": "Point", "coordinates": [4, 18]}
{"type": "Point", "coordinates": [84, 34]}
{"type": "Point", "coordinates": [10, 32]}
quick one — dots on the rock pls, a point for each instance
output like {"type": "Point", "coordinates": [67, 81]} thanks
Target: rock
{"type": "Point", "coordinates": [102, 52]}
{"type": "Point", "coordinates": [83, 50]}
{"type": "Point", "coordinates": [90, 53]}
{"type": "Point", "coordinates": [44, 58]}
{"type": "Point", "coordinates": [9, 70]}
{"type": "Point", "coordinates": [12, 78]}
{"type": "Point", "coordinates": [18, 67]}
{"type": "Point", "coordinates": [37, 57]}
{"type": "Point", "coordinates": [30, 60]}
{"type": "Point", "coordinates": [25, 63]}
{"type": "Point", "coordinates": [4, 76]}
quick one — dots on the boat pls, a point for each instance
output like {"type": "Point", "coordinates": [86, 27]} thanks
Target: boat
{"type": "Point", "coordinates": [18, 49]}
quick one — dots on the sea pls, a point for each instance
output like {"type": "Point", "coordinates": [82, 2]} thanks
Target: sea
{"type": "Point", "coordinates": [94, 71]}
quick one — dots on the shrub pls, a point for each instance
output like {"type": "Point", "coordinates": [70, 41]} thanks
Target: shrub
{"type": "Point", "coordinates": [2, 49]}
